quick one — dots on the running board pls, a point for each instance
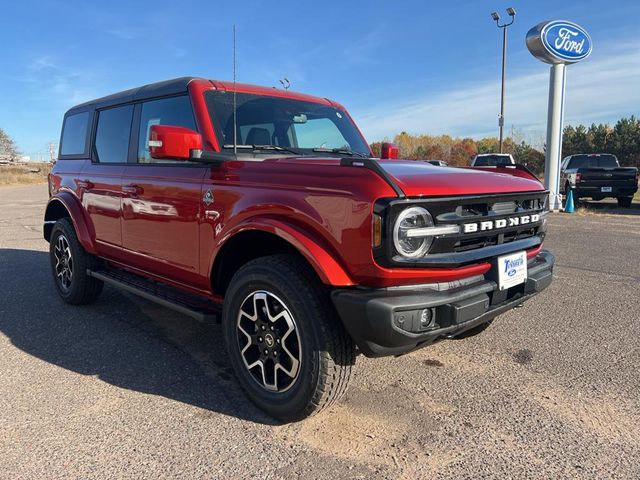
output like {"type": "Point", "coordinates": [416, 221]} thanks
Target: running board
{"type": "Point", "coordinates": [195, 307]}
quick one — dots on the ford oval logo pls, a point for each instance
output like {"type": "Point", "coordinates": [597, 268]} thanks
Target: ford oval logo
{"type": "Point", "coordinates": [559, 41]}
{"type": "Point", "coordinates": [566, 40]}
{"type": "Point", "coordinates": [511, 272]}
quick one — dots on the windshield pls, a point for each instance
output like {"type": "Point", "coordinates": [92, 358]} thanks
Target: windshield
{"type": "Point", "coordinates": [492, 161]}
{"type": "Point", "coordinates": [294, 125]}
{"type": "Point", "coordinates": [593, 161]}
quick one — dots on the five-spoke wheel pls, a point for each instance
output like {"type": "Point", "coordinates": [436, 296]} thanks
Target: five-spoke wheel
{"type": "Point", "coordinates": [269, 341]}
{"type": "Point", "coordinates": [289, 351]}
{"type": "Point", "coordinates": [64, 262]}
{"type": "Point", "coordinates": [69, 264]}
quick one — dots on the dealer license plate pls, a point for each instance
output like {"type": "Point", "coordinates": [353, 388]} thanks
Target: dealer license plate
{"type": "Point", "coordinates": [512, 270]}
{"type": "Point", "coordinates": [605, 189]}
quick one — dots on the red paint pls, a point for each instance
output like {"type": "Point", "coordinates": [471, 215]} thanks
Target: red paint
{"type": "Point", "coordinates": [152, 218]}
{"type": "Point", "coordinates": [421, 178]}
{"type": "Point", "coordinates": [389, 151]}
{"type": "Point", "coordinates": [173, 142]}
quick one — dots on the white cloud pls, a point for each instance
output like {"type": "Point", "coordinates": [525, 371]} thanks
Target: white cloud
{"type": "Point", "coordinates": [601, 89]}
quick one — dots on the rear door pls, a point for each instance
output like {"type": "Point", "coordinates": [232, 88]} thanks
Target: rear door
{"type": "Point", "coordinates": [102, 177]}
{"type": "Point", "coordinates": [162, 199]}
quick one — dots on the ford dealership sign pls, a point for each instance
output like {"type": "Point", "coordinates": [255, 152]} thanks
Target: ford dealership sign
{"type": "Point", "coordinates": [559, 41]}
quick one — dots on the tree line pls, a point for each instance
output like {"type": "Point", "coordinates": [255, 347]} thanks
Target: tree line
{"type": "Point", "coordinates": [622, 140]}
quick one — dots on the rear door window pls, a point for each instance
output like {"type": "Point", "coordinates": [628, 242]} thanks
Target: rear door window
{"type": "Point", "coordinates": [174, 111]}
{"type": "Point", "coordinates": [74, 134]}
{"type": "Point", "coordinates": [112, 135]}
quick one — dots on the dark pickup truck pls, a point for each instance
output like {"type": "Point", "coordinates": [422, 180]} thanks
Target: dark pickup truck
{"type": "Point", "coordinates": [598, 176]}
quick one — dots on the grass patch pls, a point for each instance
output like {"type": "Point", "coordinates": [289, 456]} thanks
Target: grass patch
{"type": "Point", "coordinates": [24, 174]}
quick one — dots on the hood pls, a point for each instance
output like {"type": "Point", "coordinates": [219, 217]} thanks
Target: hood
{"type": "Point", "coordinates": [417, 178]}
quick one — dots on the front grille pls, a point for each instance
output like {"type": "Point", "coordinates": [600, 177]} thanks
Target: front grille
{"type": "Point", "coordinates": [481, 209]}
{"type": "Point", "coordinates": [467, 244]}
{"type": "Point", "coordinates": [497, 212]}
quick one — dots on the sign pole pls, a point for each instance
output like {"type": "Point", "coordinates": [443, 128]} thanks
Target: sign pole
{"type": "Point", "coordinates": [557, 81]}
{"type": "Point", "coordinates": [559, 43]}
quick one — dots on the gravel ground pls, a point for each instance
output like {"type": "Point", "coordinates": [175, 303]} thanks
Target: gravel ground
{"type": "Point", "coordinates": [126, 389]}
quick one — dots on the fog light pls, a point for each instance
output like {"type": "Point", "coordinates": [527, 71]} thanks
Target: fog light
{"type": "Point", "coordinates": [425, 318]}
{"type": "Point", "coordinates": [415, 321]}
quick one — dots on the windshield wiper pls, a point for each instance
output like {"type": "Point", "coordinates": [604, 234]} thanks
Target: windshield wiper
{"type": "Point", "coordinates": [275, 148]}
{"type": "Point", "coordinates": [342, 151]}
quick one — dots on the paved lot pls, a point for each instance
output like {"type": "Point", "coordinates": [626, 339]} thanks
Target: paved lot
{"type": "Point", "coordinates": [124, 388]}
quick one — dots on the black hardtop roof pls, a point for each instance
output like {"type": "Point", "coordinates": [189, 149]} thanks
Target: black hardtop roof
{"type": "Point", "coordinates": [158, 89]}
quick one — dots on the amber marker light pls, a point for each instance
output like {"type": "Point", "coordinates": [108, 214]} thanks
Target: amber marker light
{"type": "Point", "coordinates": [376, 238]}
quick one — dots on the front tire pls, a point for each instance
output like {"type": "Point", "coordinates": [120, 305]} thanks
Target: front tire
{"type": "Point", "coordinates": [290, 353]}
{"type": "Point", "coordinates": [69, 264]}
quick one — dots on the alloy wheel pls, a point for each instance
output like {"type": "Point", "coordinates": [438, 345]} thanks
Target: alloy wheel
{"type": "Point", "coordinates": [64, 262]}
{"type": "Point", "coordinates": [269, 341]}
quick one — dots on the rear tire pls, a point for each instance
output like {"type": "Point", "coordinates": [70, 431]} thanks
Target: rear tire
{"type": "Point", "coordinates": [288, 349]}
{"type": "Point", "coordinates": [625, 202]}
{"type": "Point", "coordinates": [69, 264]}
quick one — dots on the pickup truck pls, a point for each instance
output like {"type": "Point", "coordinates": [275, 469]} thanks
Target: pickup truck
{"type": "Point", "coordinates": [598, 176]}
{"type": "Point", "coordinates": [492, 160]}
{"type": "Point", "coordinates": [263, 210]}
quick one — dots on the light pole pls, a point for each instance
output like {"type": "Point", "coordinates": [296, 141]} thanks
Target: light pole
{"type": "Point", "coordinates": [496, 17]}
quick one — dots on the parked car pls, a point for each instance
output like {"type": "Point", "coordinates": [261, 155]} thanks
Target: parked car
{"type": "Point", "coordinates": [598, 176]}
{"type": "Point", "coordinates": [492, 160]}
{"type": "Point", "coordinates": [438, 163]}
{"type": "Point", "coordinates": [273, 219]}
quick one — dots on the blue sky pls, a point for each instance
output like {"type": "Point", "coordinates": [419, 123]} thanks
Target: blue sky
{"type": "Point", "coordinates": [420, 66]}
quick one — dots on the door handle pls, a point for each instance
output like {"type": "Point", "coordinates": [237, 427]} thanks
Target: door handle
{"type": "Point", "coordinates": [86, 184]}
{"type": "Point", "coordinates": [133, 189]}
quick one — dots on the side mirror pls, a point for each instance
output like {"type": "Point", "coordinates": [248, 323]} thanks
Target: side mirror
{"type": "Point", "coordinates": [174, 143]}
{"type": "Point", "coordinates": [388, 151]}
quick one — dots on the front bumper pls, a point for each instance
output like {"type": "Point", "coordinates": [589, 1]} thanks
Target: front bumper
{"type": "Point", "coordinates": [377, 319]}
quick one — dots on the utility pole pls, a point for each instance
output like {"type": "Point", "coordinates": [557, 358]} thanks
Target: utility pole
{"type": "Point", "coordinates": [496, 17]}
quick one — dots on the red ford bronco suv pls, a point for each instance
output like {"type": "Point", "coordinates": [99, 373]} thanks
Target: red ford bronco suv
{"type": "Point", "coordinates": [264, 209]}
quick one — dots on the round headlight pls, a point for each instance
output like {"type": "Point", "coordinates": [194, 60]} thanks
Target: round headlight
{"type": "Point", "coordinates": [411, 218]}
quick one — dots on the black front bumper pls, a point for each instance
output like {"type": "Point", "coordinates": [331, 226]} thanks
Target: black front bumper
{"type": "Point", "coordinates": [379, 320]}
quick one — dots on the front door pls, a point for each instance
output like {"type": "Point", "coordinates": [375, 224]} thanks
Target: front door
{"type": "Point", "coordinates": [162, 200]}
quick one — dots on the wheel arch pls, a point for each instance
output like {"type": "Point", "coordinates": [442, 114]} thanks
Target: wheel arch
{"type": "Point", "coordinates": [271, 237]}
{"type": "Point", "coordinates": [65, 205]}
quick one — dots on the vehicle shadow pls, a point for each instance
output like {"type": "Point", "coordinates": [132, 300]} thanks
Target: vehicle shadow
{"type": "Point", "coordinates": [123, 340]}
{"type": "Point", "coordinates": [610, 207]}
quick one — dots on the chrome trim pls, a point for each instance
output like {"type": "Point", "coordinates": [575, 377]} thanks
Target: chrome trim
{"type": "Point", "coordinates": [433, 231]}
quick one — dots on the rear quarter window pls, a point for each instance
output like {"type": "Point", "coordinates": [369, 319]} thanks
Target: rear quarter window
{"type": "Point", "coordinates": [74, 134]}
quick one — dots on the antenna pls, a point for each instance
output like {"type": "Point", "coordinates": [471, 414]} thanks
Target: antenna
{"type": "Point", "coordinates": [235, 119]}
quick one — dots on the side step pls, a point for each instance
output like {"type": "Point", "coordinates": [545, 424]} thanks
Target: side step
{"type": "Point", "coordinates": [196, 307]}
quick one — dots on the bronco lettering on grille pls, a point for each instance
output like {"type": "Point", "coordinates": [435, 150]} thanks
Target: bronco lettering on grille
{"type": "Point", "coordinates": [500, 223]}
